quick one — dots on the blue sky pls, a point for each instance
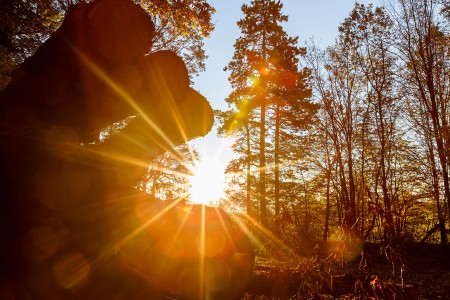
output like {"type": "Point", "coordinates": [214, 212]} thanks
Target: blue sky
{"type": "Point", "coordinates": [307, 18]}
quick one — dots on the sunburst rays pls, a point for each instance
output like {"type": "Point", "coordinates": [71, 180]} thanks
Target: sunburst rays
{"type": "Point", "coordinates": [207, 181]}
{"type": "Point", "coordinates": [205, 284]}
{"type": "Point", "coordinates": [126, 97]}
{"type": "Point", "coordinates": [259, 235]}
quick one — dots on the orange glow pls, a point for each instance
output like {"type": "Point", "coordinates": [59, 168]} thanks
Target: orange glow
{"type": "Point", "coordinates": [41, 242]}
{"type": "Point", "coordinates": [192, 249]}
{"type": "Point", "coordinates": [71, 272]}
{"type": "Point", "coordinates": [261, 235]}
{"type": "Point", "coordinates": [201, 268]}
{"type": "Point", "coordinates": [169, 245]}
{"type": "Point", "coordinates": [264, 71]}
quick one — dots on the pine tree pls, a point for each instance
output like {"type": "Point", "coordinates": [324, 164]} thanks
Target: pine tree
{"type": "Point", "coordinates": [268, 94]}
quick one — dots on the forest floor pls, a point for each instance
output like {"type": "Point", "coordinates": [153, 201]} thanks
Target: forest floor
{"type": "Point", "coordinates": [426, 275]}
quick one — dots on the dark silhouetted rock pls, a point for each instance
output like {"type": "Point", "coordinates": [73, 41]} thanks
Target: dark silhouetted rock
{"type": "Point", "coordinates": [71, 223]}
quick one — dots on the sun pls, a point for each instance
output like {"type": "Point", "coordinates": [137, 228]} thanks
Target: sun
{"type": "Point", "coordinates": [208, 181]}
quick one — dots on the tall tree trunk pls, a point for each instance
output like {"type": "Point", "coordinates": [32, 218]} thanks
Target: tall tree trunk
{"type": "Point", "coordinates": [262, 165]}
{"type": "Point", "coordinates": [422, 49]}
{"type": "Point", "coordinates": [436, 192]}
{"type": "Point", "coordinates": [277, 160]}
{"type": "Point", "coordinates": [351, 179]}
{"type": "Point", "coordinates": [389, 234]}
{"type": "Point", "coordinates": [262, 140]}
{"type": "Point", "coordinates": [352, 199]}
{"type": "Point", "coordinates": [248, 201]}
{"type": "Point", "coordinates": [439, 140]}
{"type": "Point", "coordinates": [328, 206]}
{"type": "Point", "coordinates": [328, 170]}
{"type": "Point", "coordinates": [277, 168]}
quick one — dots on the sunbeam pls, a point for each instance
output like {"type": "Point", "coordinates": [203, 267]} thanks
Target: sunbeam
{"type": "Point", "coordinates": [266, 233]}
{"type": "Point", "coordinates": [125, 96]}
{"type": "Point", "coordinates": [201, 287]}
{"type": "Point", "coordinates": [149, 222]}
{"type": "Point", "coordinates": [225, 228]}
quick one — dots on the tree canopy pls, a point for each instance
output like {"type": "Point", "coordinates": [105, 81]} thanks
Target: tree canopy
{"type": "Point", "coordinates": [181, 26]}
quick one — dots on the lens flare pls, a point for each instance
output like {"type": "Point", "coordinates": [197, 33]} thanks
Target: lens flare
{"type": "Point", "coordinates": [72, 271]}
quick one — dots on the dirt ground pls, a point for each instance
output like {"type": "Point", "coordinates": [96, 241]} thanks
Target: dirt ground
{"type": "Point", "coordinates": [426, 271]}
